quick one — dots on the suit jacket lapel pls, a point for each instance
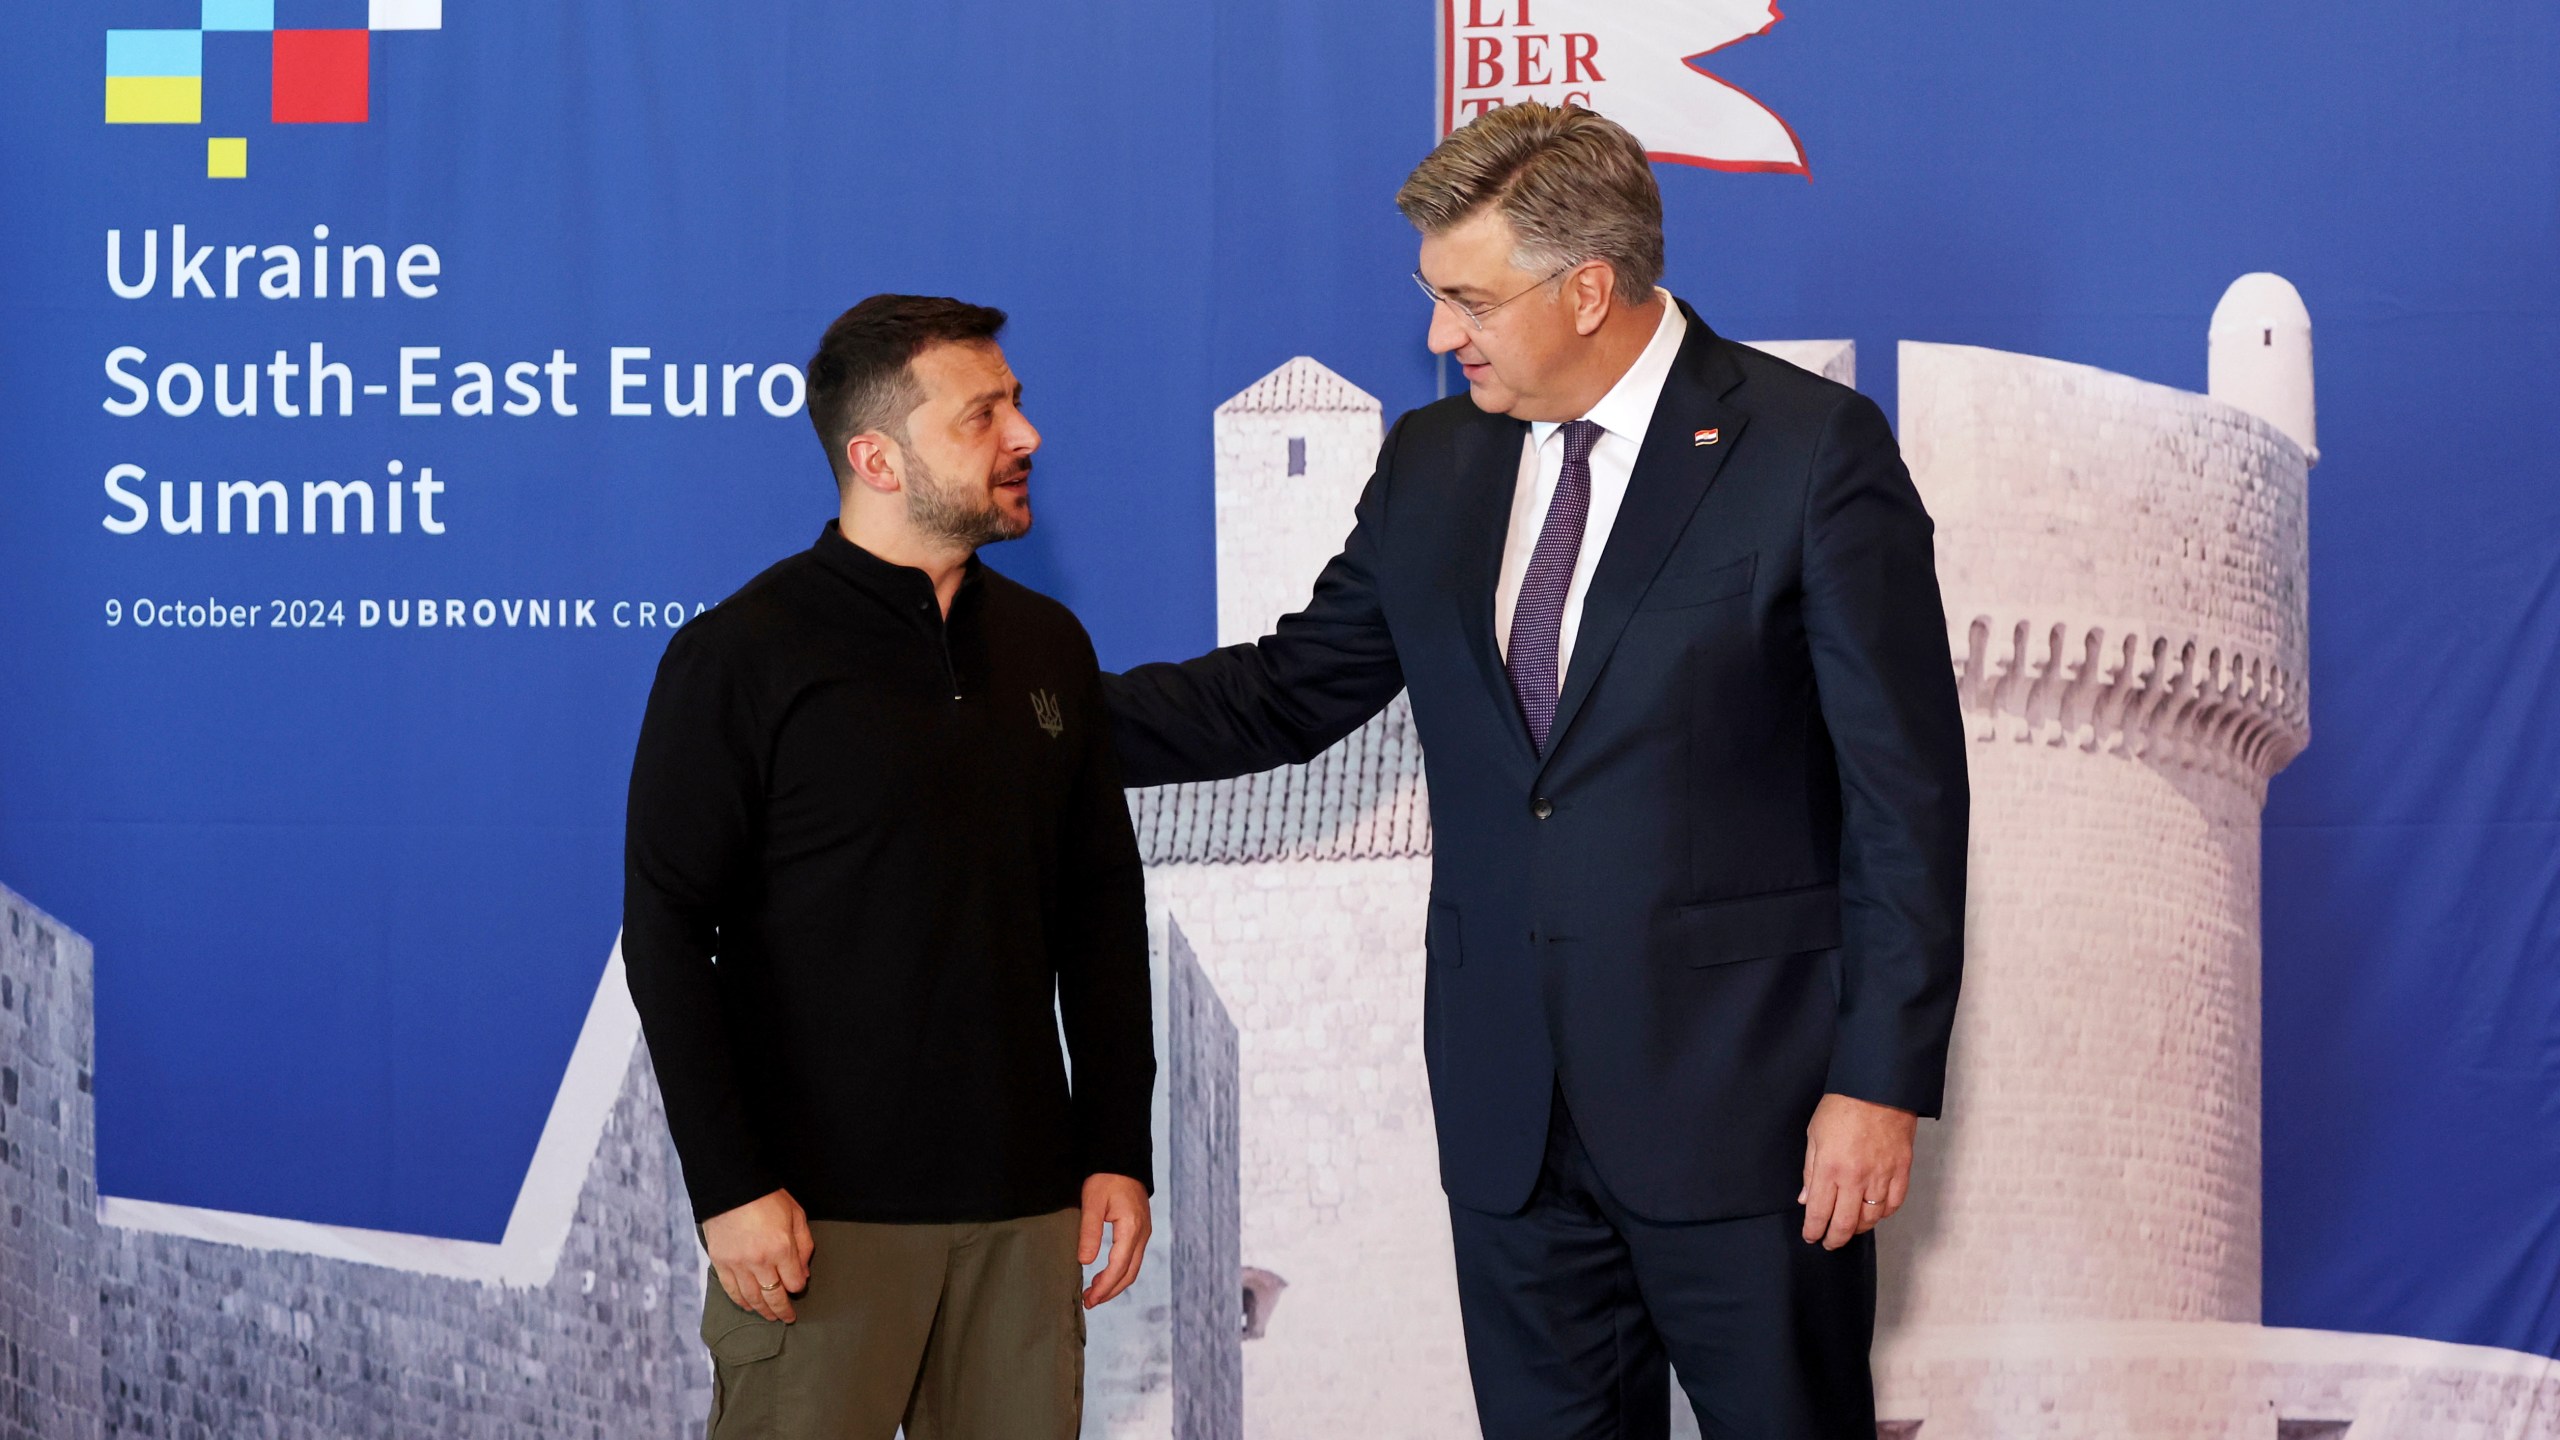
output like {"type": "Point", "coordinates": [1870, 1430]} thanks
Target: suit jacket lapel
{"type": "Point", "coordinates": [1488, 458]}
{"type": "Point", "coordinates": [1673, 472]}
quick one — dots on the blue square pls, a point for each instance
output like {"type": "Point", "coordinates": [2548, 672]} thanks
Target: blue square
{"type": "Point", "coordinates": [321, 14]}
{"type": "Point", "coordinates": [155, 53]}
{"type": "Point", "coordinates": [239, 14]}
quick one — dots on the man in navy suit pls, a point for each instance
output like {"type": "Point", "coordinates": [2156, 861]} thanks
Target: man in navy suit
{"type": "Point", "coordinates": [1668, 615]}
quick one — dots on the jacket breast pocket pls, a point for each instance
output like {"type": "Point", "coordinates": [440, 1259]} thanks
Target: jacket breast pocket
{"type": "Point", "coordinates": [1754, 927]}
{"type": "Point", "coordinates": [1440, 936]}
{"type": "Point", "coordinates": [1684, 589]}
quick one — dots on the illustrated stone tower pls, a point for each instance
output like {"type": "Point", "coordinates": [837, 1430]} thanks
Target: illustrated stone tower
{"type": "Point", "coordinates": [2125, 569]}
{"type": "Point", "coordinates": [1293, 450]}
{"type": "Point", "coordinates": [2258, 351]}
{"type": "Point", "coordinates": [1304, 889]}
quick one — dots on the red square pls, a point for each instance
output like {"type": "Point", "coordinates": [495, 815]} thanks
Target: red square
{"type": "Point", "coordinates": [320, 76]}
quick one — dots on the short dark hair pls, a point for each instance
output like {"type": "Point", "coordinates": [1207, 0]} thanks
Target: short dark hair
{"type": "Point", "coordinates": [862, 377]}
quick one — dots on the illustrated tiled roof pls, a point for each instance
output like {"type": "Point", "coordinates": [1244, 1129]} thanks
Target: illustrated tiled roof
{"type": "Point", "coordinates": [1300, 385]}
{"type": "Point", "coordinates": [1362, 799]}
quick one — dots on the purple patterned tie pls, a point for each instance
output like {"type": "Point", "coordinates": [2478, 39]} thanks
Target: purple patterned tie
{"type": "Point", "coordinates": [1537, 621]}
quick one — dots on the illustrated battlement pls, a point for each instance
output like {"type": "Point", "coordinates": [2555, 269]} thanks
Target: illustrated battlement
{"type": "Point", "coordinates": [2174, 700]}
{"type": "Point", "coordinates": [2124, 564]}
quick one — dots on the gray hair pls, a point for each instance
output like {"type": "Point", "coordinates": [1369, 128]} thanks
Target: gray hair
{"type": "Point", "coordinates": [1574, 186]}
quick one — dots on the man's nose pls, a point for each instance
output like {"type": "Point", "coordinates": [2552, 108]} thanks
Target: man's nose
{"type": "Point", "coordinates": [1446, 333]}
{"type": "Point", "coordinates": [1026, 436]}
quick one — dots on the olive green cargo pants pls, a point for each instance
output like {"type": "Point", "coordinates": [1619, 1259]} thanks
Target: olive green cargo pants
{"type": "Point", "coordinates": [957, 1332]}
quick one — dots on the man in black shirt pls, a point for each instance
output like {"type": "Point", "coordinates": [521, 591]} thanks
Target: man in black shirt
{"type": "Point", "coordinates": [878, 857]}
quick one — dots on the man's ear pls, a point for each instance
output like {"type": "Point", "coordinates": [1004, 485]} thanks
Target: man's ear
{"type": "Point", "coordinates": [1593, 291]}
{"type": "Point", "coordinates": [871, 461]}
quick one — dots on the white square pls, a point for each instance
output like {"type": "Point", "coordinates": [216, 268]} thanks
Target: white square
{"type": "Point", "coordinates": [404, 15]}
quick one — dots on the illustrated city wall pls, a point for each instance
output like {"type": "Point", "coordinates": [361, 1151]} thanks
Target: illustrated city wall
{"type": "Point", "coordinates": [126, 1319]}
{"type": "Point", "coordinates": [2125, 572]}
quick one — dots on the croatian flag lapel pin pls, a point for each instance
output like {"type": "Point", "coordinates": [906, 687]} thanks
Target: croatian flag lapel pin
{"type": "Point", "coordinates": [1708, 436]}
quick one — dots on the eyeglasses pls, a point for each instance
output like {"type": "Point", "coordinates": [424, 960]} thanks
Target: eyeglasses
{"type": "Point", "coordinates": [1472, 316]}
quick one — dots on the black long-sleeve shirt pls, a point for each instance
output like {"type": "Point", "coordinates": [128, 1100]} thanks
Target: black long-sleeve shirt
{"type": "Point", "coordinates": [876, 859]}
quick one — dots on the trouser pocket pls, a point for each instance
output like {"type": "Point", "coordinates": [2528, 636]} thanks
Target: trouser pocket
{"type": "Point", "coordinates": [741, 1343]}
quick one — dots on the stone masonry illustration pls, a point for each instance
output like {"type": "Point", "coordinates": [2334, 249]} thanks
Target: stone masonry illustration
{"type": "Point", "coordinates": [124, 1318]}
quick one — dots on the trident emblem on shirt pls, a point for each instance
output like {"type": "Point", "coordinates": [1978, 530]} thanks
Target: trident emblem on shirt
{"type": "Point", "coordinates": [1044, 707]}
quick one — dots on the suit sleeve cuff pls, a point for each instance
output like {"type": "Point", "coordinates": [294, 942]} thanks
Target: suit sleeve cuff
{"type": "Point", "coordinates": [1921, 1094]}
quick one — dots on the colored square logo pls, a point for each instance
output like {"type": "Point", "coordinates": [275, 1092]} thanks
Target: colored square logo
{"type": "Point", "coordinates": [321, 76]}
{"type": "Point", "coordinates": [239, 14]}
{"type": "Point", "coordinates": [405, 14]}
{"type": "Point", "coordinates": [320, 68]}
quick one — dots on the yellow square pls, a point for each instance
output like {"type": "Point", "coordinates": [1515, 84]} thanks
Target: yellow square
{"type": "Point", "coordinates": [226, 157]}
{"type": "Point", "coordinates": [155, 100]}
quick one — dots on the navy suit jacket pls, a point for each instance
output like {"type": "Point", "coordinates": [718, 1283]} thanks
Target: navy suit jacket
{"type": "Point", "coordinates": [1735, 880]}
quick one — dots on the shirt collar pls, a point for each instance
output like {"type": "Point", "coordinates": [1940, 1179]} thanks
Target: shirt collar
{"type": "Point", "coordinates": [901, 585]}
{"type": "Point", "coordinates": [1627, 410]}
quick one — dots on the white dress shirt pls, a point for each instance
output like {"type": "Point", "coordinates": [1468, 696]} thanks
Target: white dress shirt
{"type": "Point", "coordinates": [1623, 415]}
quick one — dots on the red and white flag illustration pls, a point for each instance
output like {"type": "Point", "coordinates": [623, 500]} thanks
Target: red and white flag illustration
{"type": "Point", "coordinates": [1628, 59]}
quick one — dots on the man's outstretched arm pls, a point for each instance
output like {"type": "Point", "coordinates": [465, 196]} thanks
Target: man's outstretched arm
{"type": "Point", "coordinates": [1284, 699]}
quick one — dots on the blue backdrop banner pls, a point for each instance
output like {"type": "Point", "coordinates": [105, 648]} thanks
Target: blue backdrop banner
{"type": "Point", "coordinates": [384, 381]}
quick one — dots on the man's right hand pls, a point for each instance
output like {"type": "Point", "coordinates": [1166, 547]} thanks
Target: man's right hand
{"type": "Point", "coordinates": [761, 1252]}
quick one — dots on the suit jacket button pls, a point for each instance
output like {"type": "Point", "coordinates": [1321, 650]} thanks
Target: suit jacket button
{"type": "Point", "coordinates": [1540, 808]}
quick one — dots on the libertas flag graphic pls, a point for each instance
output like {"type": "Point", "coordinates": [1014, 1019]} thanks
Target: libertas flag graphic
{"type": "Point", "coordinates": [1639, 62]}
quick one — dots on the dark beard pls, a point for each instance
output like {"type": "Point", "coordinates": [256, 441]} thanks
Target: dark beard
{"type": "Point", "coordinates": [946, 513]}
